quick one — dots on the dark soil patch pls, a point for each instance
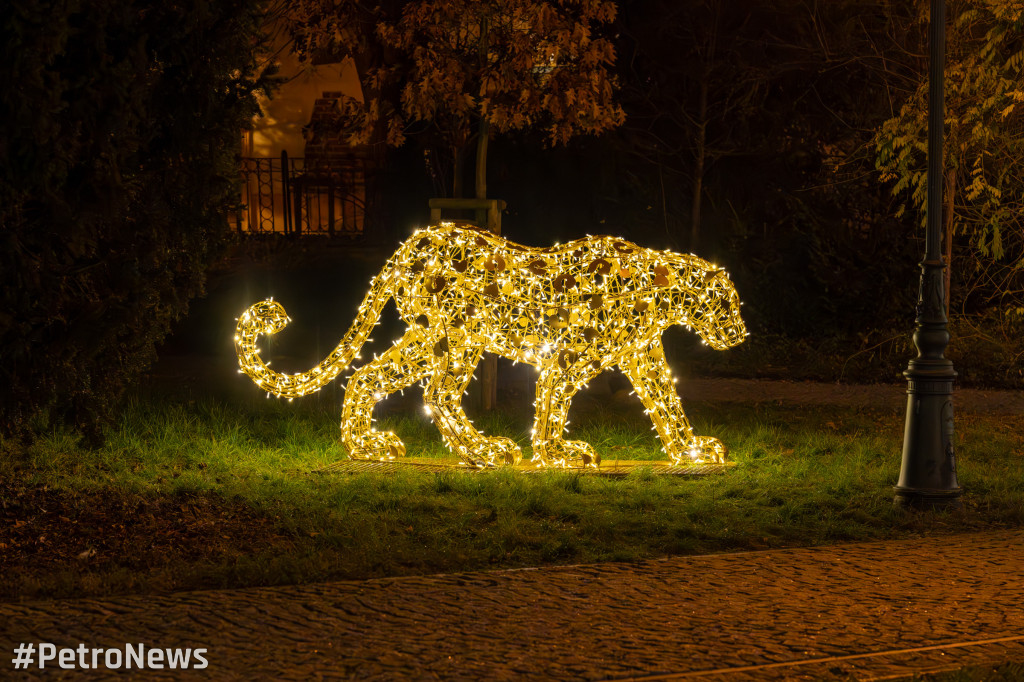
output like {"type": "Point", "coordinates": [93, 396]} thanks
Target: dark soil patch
{"type": "Point", "coordinates": [42, 529]}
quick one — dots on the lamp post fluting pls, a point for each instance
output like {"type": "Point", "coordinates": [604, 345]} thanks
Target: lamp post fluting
{"type": "Point", "coordinates": [928, 473]}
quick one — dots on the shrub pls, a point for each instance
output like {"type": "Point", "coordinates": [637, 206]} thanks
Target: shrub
{"type": "Point", "coordinates": [117, 169]}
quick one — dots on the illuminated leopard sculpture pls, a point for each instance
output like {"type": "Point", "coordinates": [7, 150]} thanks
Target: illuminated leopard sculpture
{"type": "Point", "coordinates": [572, 311]}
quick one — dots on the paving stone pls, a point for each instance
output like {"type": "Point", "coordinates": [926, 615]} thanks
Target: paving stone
{"type": "Point", "coordinates": [864, 610]}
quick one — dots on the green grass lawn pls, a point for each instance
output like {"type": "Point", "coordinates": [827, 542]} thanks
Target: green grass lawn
{"type": "Point", "coordinates": [202, 494]}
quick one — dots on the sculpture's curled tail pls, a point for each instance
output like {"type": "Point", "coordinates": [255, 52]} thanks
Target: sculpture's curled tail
{"type": "Point", "coordinates": [269, 317]}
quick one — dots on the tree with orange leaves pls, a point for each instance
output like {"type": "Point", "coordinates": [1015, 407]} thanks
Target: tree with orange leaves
{"type": "Point", "coordinates": [464, 70]}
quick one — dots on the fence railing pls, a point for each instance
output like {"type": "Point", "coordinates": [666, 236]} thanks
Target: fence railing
{"type": "Point", "coordinates": [285, 195]}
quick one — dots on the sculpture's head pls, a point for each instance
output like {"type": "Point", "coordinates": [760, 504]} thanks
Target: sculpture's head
{"type": "Point", "coordinates": [706, 301]}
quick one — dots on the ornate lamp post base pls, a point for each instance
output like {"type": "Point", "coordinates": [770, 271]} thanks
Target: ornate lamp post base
{"type": "Point", "coordinates": [928, 473]}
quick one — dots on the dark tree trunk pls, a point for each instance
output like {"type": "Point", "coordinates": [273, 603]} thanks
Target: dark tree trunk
{"type": "Point", "coordinates": [457, 169]}
{"type": "Point", "coordinates": [481, 158]}
{"type": "Point", "coordinates": [698, 170]}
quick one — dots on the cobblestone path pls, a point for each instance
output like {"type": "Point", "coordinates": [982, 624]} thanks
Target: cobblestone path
{"type": "Point", "coordinates": [866, 611]}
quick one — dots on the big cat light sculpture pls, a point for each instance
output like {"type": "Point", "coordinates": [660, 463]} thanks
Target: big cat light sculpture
{"type": "Point", "coordinates": [572, 311]}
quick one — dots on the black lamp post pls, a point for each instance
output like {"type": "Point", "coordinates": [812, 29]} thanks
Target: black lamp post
{"type": "Point", "coordinates": [928, 473]}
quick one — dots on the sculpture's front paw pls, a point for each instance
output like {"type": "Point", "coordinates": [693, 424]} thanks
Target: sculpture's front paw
{"type": "Point", "coordinates": [375, 445]}
{"type": "Point", "coordinates": [701, 450]}
{"type": "Point", "coordinates": [499, 450]}
{"type": "Point", "coordinates": [494, 451]}
{"type": "Point", "coordinates": [566, 453]}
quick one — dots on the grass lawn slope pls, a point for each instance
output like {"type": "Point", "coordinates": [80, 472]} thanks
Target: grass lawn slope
{"type": "Point", "coordinates": [194, 494]}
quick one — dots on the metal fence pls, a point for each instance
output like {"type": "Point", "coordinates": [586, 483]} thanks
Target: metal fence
{"type": "Point", "coordinates": [284, 195]}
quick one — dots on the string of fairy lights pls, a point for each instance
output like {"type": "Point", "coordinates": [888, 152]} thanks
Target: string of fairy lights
{"type": "Point", "coordinates": [571, 310]}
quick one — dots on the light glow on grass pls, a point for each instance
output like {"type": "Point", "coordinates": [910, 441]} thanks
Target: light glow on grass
{"type": "Point", "coordinates": [802, 477]}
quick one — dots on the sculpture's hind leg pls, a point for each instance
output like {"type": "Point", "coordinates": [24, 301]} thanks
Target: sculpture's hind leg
{"type": "Point", "coordinates": [558, 382]}
{"type": "Point", "coordinates": [406, 362]}
{"type": "Point", "coordinates": [652, 381]}
{"type": "Point", "coordinates": [443, 396]}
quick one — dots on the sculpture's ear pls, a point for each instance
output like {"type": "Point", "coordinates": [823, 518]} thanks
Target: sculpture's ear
{"type": "Point", "coordinates": [711, 275]}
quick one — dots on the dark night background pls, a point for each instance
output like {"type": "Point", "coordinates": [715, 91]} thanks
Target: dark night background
{"type": "Point", "coordinates": [118, 168]}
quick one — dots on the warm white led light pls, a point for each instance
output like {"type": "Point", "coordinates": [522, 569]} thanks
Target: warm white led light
{"type": "Point", "coordinates": [572, 311]}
